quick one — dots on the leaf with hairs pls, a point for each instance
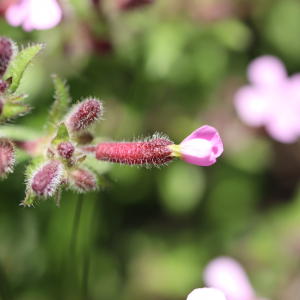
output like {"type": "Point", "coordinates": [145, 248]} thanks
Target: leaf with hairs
{"type": "Point", "coordinates": [19, 65]}
{"type": "Point", "coordinates": [60, 105]}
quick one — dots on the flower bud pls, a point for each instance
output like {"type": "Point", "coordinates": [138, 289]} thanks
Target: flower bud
{"type": "Point", "coordinates": [152, 152]}
{"type": "Point", "coordinates": [46, 181]}
{"type": "Point", "coordinates": [83, 180]}
{"type": "Point", "coordinates": [65, 150]}
{"type": "Point", "coordinates": [6, 52]}
{"type": "Point", "coordinates": [3, 86]}
{"type": "Point", "coordinates": [7, 156]}
{"type": "Point", "coordinates": [84, 114]}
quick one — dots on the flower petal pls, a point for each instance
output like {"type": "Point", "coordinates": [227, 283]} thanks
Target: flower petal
{"type": "Point", "coordinates": [206, 294]}
{"type": "Point", "coordinates": [251, 104]}
{"type": "Point", "coordinates": [210, 134]}
{"type": "Point", "coordinates": [227, 275]}
{"type": "Point", "coordinates": [266, 70]}
{"type": "Point", "coordinates": [16, 14]}
{"type": "Point", "coordinates": [44, 14]}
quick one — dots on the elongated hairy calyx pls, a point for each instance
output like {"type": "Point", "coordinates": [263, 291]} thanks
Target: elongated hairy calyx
{"type": "Point", "coordinates": [153, 152]}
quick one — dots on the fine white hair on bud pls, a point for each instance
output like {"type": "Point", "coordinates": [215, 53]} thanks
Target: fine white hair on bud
{"type": "Point", "coordinates": [7, 157]}
{"type": "Point", "coordinates": [47, 178]}
{"type": "Point", "coordinates": [151, 151]}
{"type": "Point", "coordinates": [84, 114]}
{"type": "Point", "coordinates": [83, 180]}
{"type": "Point", "coordinates": [6, 53]}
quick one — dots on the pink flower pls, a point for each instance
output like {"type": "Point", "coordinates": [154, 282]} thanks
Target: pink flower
{"type": "Point", "coordinates": [201, 148]}
{"type": "Point", "coordinates": [272, 100]}
{"type": "Point", "coordinates": [227, 275]}
{"type": "Point", "coordinates": [206, 294]}
{"type": "Point", "coordinates": [34, 14]}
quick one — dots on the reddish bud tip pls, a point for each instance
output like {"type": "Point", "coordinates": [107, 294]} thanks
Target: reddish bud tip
{"type": "Point", "coordinates": [65, 150]}
{"type": "Point", "coordinates": [83, 180]}
{"type": "Point", "coordinates": [45, 182]}
{"type": "Point", "coordinates": [130, 4]}
{"type": "Point", "coordinates": [84, 114]}
{"type": "Point", "coordinates": [152, 152]}
{"type": "Point", "coordinates": [6, 52]}
{"type": "Point", "coordinates": [7, 156]}
{"type": "Point", "coordinates": [3, 86]}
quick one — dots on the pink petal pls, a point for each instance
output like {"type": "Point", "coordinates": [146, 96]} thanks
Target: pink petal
{"type": "Point", "coordinates": [44, 14]}
{"type": "Point", "coordinates": [206, 294]}
{"type": "Point", "coordinates": [266, 70]}
{"type": "Point", "coordinates": [227, 275]}
{"type": "Point", "coordinates": [251, 105]}
{"type": "Point", "coordinates": [210, 134]}
{"type": "Point", "coordinates": [16, 14]}
{"type": "Point", "coordinates": [198, 152]}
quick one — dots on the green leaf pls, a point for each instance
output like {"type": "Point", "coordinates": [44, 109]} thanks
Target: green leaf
{"type": "Point", "coordinates": [19, 65]}
{"type": "Point", "coordinates": [11, 110]}
{"type": "Point", "coordinates": [19, 133]}
{"type": "Point", "coordinates": [62, 135]}
{"type": "Point", "coordinates": [60, 105]}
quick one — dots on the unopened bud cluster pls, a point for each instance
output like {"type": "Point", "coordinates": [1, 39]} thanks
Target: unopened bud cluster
{"type": "Point", "coordinates": [64, 164]}
{"type": "Point", "coordinates": [59, 157]}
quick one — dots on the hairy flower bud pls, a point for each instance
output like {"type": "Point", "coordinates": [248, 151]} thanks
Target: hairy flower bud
{"type": "Point", "coordinates": [7, 156]}
{"type": "Point", "coordinates": [45, 182]}
{"type": "Point", "coordinates": [6, 52]}
{"type": "Point", "coordinates": [153, 152]}
{"type": "Point", "coordinates": [83, 180]}
{"type": "Point", "coordinates": [3, 86]}
{"type": "Point", "coordinates": [84, 114]}
{"type": "Point", "coordinates": [65, 150]}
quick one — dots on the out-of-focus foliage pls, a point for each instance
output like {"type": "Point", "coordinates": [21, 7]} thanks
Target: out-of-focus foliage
{"type": "Point", "coordinates": [170, 66]}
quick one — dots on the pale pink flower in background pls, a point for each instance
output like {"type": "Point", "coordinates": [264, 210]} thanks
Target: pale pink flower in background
{"type": "Point", "coordinates": [206, 294]}
{"type": "Point", "coordinates": [201, 148]}
{"type": "Point", "coordinates": [34, 14]}
{"type": "Point", "coordinates": [272, 99]}
{"type": "Point", "coordinates": [227, 275]}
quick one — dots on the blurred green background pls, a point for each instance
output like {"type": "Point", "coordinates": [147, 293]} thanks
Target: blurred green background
{"type": "Point", "coordinates": [171, 66]}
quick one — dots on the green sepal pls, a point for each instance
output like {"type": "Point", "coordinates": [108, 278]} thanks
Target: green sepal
{"type": "Point", "coordinates": [31, 197]}
{"type": "Point", "coordinates": [61, 136]}
{"type": "Point", "coordinates": [13, 98]}
{"type": "Point", "coordinates": [11, 110]}
{"type": "Point", "coordinates": [60, 105]}
{"type": "Point", "coordinates": [20, 63]}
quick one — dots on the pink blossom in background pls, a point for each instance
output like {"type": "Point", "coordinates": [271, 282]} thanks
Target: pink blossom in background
{"type": "Point", "coordinates": [272, 99]}
{"type": "Point", "coordinates": [206, 294]}
{"type": "Point", "coordinates": [227, 275]}
{"type": "Point", "coordinates": [202, 147]}
{"type": "Point", "coordinates": [34, 14]}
